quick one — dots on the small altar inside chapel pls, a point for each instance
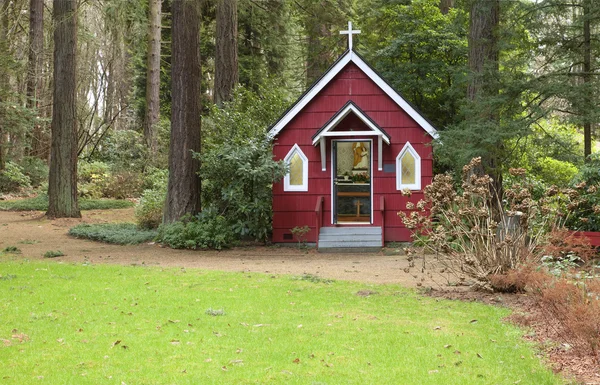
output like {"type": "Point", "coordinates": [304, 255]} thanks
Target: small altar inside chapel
{"type": "Point", "coordinates": [353, 181]}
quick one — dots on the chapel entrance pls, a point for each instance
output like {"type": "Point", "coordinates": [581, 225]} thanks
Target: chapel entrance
{"type": "Point", "coordinates": [351, 181]}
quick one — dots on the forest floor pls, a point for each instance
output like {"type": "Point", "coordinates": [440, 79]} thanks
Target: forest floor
{"type": "Point", "coordinates": [34, 235]}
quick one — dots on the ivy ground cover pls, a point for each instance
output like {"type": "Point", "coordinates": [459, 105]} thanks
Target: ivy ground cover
{"type": "Point", "coordinates": [108, 324]}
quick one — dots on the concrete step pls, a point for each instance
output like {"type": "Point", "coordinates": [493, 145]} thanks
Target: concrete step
{"type": "Point", "coordinates": [350, 238]}
{"type": "Point", "coordinates": [351, 230]}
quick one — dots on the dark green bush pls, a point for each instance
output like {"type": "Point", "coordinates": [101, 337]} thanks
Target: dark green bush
{"type": "Point", "coordinates": [149, 212]}
{"type": "Point", "coordinates": [40, 203]}
{"type": "Point", "coordinates": [115, 233]}
{"type": "Point", "coordinates": [208, 230]}
{"type": "Point", "coordinates": [237, 182]}
{"type": "Point", "coordinates": [585, 216]}
{"type": "Point", "coordinates": [36, 169]}
{"type": "Point", "coordinates": [12, 178]}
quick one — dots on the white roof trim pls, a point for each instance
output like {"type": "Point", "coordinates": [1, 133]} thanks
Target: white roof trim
{"type": "Point", "coordinates": [341, 115]}
{"type": "Point", "coordinates": [350, 56]}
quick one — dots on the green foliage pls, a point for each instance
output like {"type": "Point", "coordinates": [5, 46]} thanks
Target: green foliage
{"type": "Point", "coordinates": [585, 216]}
{"type": "Point", "coordinates": [246, 117]}
{"type": "Point", "coordinates": [155, 178]}
{"type": "Point", "coordinates": [124, 150]}
{"type": "Point", "coordinates": [237, 182]}
{"type": "Point", "coordinates": [12, 250]}
{"type": "Point", "coordinates": [556, 172]}
{"type": "Point", "coordinates": [208, 230]}
{"type": "Point", "coordinates": [53, 254]}
{"type": "Point", "coordinates": [149, 211]}
{"type": "Point", "coordinates": [40, 203]}
{"type": "Point", "coordinates": [421, 52]}
{"type": "Point", "coordinates": [122, 185]}
{"type": "Point", "coordinates": [12, 178]}
{"type": "Point", "coordinates": [115, 233]}
{"type": "Point", "coordinates": [36, 169]}
{"type": "Point", "coordinates": [92, 177]}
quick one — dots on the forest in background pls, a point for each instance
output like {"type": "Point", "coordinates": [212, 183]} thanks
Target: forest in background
{"type": "Point", "coordinates": [514, 82]}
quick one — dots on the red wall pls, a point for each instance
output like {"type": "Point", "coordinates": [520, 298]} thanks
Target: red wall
{"type": "Point", "coordinates": [351, 84]}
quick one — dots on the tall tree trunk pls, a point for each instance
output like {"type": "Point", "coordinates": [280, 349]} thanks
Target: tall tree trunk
{"type": "Point", "coordinates": [3, 75]}
{"type": "Point", "coordinates": [484, 67]}
{"type": "Point", "coordinates": [445, 6]}
{"type": "Point", "coordinates": [226, 52]}
{"type": "Point", "coordinates": [35, 85]}
{"type": "Point", "coordinates": [318, 57]}
{"type": "Point", "coordinates": [183, 190]}
{"type": "Point", "coordinates": [587, 78]}
{"type": "Point", "coordinates": [153, 77]}
{"type": "Point", "coordinates": [62, 185]}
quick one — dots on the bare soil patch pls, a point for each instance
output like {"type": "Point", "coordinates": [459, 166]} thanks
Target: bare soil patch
{"type": "Point", "coordinates": [34, 234]}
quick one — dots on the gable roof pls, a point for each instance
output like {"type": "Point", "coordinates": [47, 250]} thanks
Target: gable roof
{"type": "Point", "coordinates": [348, 108]}
{"type": "Point", "coordinates": [336, 68]}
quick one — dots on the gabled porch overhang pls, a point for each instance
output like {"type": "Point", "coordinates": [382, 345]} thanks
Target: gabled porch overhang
{"type": "Point", "coordinates": [328, 131]}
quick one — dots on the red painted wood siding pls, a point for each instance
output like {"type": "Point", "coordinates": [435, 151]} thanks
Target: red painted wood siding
{"type": "Point", "coordinates": [293, 209]}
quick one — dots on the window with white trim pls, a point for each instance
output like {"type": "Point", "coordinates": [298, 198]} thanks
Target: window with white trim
{"type": "Point", "coordinates": [297, 178]}
{"type": "Point", "coordinates": [408, 169]}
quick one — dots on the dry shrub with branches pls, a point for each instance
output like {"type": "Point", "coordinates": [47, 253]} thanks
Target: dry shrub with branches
{"type": "Point", "coordinates": [473, 233]}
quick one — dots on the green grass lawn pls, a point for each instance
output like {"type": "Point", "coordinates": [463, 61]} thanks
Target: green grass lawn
{"type": "Point", "coordinates": [104, 324]}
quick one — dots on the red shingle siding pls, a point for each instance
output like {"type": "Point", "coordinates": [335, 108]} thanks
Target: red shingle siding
{"type": "Point", "coordinates": [293, 209]}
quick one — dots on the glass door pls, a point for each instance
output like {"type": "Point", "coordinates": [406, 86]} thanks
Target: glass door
{"type": "Point", "coordinates": [351, 181]}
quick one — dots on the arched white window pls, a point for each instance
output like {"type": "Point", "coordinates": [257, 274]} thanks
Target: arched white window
{"type": "Point", "coordinates": [297, 178]}
{"type": "Point", "coordinates": [408, 169]}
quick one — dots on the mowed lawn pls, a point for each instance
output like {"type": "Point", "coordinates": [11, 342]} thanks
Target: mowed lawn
{"type": "Point", "coordinates": [104, 324]}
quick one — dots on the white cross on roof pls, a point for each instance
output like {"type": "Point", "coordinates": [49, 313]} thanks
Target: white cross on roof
{"type": "Point", "coordinates": [350, 32]}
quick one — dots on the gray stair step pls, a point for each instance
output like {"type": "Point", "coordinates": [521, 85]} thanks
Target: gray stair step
{"type": "Point", "coordinates": [351, 230]}
{"type": "Point", "coordinates": [355, 244]}
{"type": "Point", "coordinates": [350, 237]}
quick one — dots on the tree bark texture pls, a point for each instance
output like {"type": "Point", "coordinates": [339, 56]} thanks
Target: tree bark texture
{"type": "Point", "coordinates": [318, 56]}
{"type": "Point", "coordinates": [3, 75]}
{"type": "Point", "coordinates": [183, 190]}
{"type": "Point", "coordinates": [587, 79]}
{"type": "Point", "coordinates": [62, 185]}
{"type": "Point", "coordinates": [226, 51]}
{"type": "Point", "coordinates": [483, 47]}
{"type": "Point", "coordinates": [35, 63]}
{"type": "Point", "coordinates": [483, 65]}
{"type": "Point", "coordinates": [153, 77]}
{"type": "Point", "coordinates": [445, 6]}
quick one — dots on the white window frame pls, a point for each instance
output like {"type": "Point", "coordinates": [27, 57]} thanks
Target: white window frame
{"type": "Point", "coordinates": [286, 179]}
{"type": "Point", "coordinates": [414, 186]}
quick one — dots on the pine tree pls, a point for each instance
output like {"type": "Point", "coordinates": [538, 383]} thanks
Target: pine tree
{"type": "Point", "coordinates": [62, 184]}
{"type": "Point", "coordinates": [183, 190]}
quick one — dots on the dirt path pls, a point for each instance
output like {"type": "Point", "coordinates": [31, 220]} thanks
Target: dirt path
{"type": "Point", "coordinates": [34, 235]}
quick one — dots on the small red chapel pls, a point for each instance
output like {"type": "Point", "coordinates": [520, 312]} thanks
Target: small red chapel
{"type": "Point", "coordinates": [352, 144]}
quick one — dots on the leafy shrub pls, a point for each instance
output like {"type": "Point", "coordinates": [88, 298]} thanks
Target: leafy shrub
{"type": "Point", "coordinates": [149, 211]}
{"type": "Point", "coordinates": [556, 172]}
{"type": "Point", "coordinates": [155, 178]}
{"type": "Point", "coordinates": [115, 233]}
{"type": "Point", "coordinates": [206, 230]}
{"type": "Point", "coordinates": [13, 179]}
{"type": "Point", "coordinates": [36, 169]}
{"type": "Point", "coordinates": [480, 237]}
{"type": "Point", "coordinates": [585, 212]}
{"type": "Point", "coordinates": [53, 254]}
{"type": "Point", "coordinates": [122, 185]}
{"type": "Point", "coordinates": [237, 182]}
{"type": "Point", "coordinates": [92, 178]}
{"type": "Point", "coordinates": [125, 150]}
